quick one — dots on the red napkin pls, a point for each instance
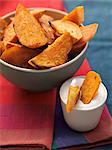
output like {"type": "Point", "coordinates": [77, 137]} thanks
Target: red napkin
{"type": "Point", "coordinates": [26, 118]}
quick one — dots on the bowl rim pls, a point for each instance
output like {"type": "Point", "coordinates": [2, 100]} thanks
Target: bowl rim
{"type": "Point", "coordinates": [45, 70]}
{"type": "Point", "coordinates": [91, 108]}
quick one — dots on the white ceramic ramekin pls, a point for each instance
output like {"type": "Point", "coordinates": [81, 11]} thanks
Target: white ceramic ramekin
{"type": "Point", "coordinates": [84, 117]}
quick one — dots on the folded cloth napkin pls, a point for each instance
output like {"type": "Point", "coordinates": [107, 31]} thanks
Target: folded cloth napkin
{"type": "Point", "coordinates": [26, 118]}
{"type": "Point", "coordinates": [65, 137]}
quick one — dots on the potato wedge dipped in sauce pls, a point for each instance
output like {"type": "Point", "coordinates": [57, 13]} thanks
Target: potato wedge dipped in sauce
{"type": "Point", "coordinates": [73, 96]}
{"type": "Point", "coordinates": [84, 93]}
{"type": "Point", "coordinates": [90, 87]}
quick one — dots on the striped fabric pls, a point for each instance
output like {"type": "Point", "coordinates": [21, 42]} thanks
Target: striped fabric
{"type": "Point", "coordinates": [27, 119]}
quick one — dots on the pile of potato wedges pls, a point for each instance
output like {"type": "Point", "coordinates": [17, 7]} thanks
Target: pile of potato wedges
{"type": "Point", "coordinates": [34, 40]}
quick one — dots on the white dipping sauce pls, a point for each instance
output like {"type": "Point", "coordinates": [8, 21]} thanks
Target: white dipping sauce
{"type": "Point", "coordinates": [96, 101]}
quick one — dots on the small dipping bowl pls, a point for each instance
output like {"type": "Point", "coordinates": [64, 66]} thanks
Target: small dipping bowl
{"type": "Point", "coordinates": [83, 117]}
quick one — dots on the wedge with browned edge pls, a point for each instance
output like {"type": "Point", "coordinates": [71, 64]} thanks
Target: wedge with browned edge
{"type": "Point", "coordinates": [18, 55]}
{"type": "Point", "coordinates": [49, 32]}
{"type": "Point", "coordinates": [76, 15]}
{"type": "Point", "coordinates": [9, 34]}
{"type": "Point", "coordinates": [37, 13]}
{"type": "Point", "coordinates": [56, 53]}
{"type": "Point", "coordinates": [90, 86]}
{"type": "Point", "coordinates": [3, 25]}
{"type": "Point", "coordinates": [88, 32]}
{"type": "Point", "coordinates": [28, 30]}
{"type": "Point", "coordinates": [67, 26]}
{"type": "Point", "coordinates": [2, 47]}
{"type": "Point", "coordinates": [73, 96]}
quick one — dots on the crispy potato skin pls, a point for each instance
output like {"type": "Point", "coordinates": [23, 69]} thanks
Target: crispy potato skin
{"type": "Point", "coordinates": [73, 96]}
{"type": "Point", "coordinates": [76, 15]}
{"type": "Point", "coordinates": [3, 25]}
{"type": "Point", "coordinates": [28, 30]}
{"type": "Point", "coordinates": [9, 34]}
{"type": "Point", "coordinates": [49, 32]}
{"type": "Point", "coordinates": [1, 34]}
{"type": "Point", "coordinates": [37, 13]}
{"type": "Point", "coordinates": [67, 26]}
{"type": "Point", "coordinates": [45, 19]}
{"type": "Point", "coordinates": [18, 55]}
{"type": "Point", "coordinates": [90, 87]}
{"type": "Point", "coordinates": [58, 51]}
{"type": "Point", "coordinates": [9, 45]}
{"type": "Point", "coordinates": [6, 45]}
{"type": "Point", "coordinates": [55, 53]}
{"type": "Point", "coordinates": [2, 47]}
{"type": "Point", "coordinates": [88, 32]}
{"type": "Point", "coordinates": [42, 61]}
{"type": "Point", "coordinates": [77, 48]}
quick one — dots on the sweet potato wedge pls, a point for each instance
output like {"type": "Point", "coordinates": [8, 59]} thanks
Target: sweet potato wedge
{"type": "Point", "coordinates": [28, 30]}
{"type": "Point", "coordinates": [45, 19]}
{"type": "Point", "coordinates": [77, 48]}
{"type": "Point", "coordinates": [88, 32]}
{"type": "Point", "coordinates": [73, 96]}
{"type": "Point", "coordinates": [90, 86]}
{"type": "Point", "coordinates": [9, 34]}
{"type": "Point", "coordinates": [3, 25]}
{"type": "Point", "coordinates": [1, 35]}
{"type": "Point", "coordinates": [67, 26]}
{"type": "Point", "coordinates": [2, 47]}
{"type": "Point", "coordinates": [6, 45]}
{"type": "Point", "coordinates": [55, 54]}
{"type": "Point", "coordinates": [49, 32]}
{"type": "Point", "coordinates": [18, 55]}
{"type": "Point", "coordinates": [76, 15]}
{"type": "Point", "coordinates": [37, 13]}
{"type": "Point", "coordinates": [9, 45]}
{"type": "Point", "coordinates": [42, 60]}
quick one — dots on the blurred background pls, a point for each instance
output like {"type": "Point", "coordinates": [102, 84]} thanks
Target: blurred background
{"type": "Point", "coordinates": [99, 53]}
